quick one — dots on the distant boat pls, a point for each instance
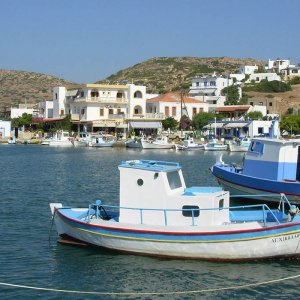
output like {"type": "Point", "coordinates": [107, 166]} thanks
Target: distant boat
{"type": "Point", "coordinates": [270, 166]}
{"type": "Point", "coordinates": [135, 143]}
{"type": "Point", "coordinates": [102, 140]}
{"type": "Point", "coordinates": [189, 144]}
{"type": "Point", "coordinates": [60, 139]}
{"type": "Point", "coordinates": [159, 215]}
{"type": "Point", "coordinates": [240, 145]}
{"type": "Point", "coordinates": [158, 143]}
{"type": "Point", "coordinates": [214, 145]}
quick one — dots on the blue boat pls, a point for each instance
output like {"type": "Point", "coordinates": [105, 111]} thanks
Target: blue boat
{"type": "Point", "coordinates": [158, 215]}
{"type": "Point", "coordinates": [271, 166]}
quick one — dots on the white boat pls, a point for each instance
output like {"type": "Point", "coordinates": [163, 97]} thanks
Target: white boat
{"type": "Point", "coordinates": [133, 143]}
{"type": "Point", "coordinates": [214, 145]}
{"type": "Point", "coordinates": [159, 215]}
{"type": "Point", "coordinates": [240, 145]}
{"type": "Point", "coordinates": [270, 166]}
{"type": "Point", "coordinates": [102, 140]}
{"type": "Point", "coordinates": [60, 139]}
{"type": "Point", "coordinates": [189, 144]}
{"type": "Point", "coordinates": [158, 143]}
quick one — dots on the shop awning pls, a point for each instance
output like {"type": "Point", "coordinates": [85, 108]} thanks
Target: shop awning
{"type": "Point", "coordinates": [145, 124]}
{"type": "Point", "coordinates": [236, 125]}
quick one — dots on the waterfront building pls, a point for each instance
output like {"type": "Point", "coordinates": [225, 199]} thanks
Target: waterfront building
{"type": "Point", "coordinates": [175, 105]}
{"type": "Point", "coordinates": [16, 112]}
{"type": "Point", "coordinates": [208, 89]}
{"type": "Point", "coordinates": [278, 65]}
{"type": "Point", "coordinates": [102, 107]}
{"type": "Point", "coordinates": [5, 129]}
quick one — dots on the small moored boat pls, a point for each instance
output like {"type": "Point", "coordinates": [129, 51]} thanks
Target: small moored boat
{"type": "Point", "coordinates": [270, 166]}
{"type": "Point", "coordinates": [103, 140]}
{"type": "Point", "coordinates": [214, 145]}
{"type": "Point", "coordinates": [189, 144]}
{"type": "Point", "coordinates": [158, 143]}
{"type": "Point", "coordinates": [240, 145]}
{"type": "Point", "coordinates": [159, 215]}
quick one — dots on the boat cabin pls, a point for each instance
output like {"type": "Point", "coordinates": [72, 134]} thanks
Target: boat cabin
{"type": "Point", "coordinates": [154, 193]}
{"type": "Point", "coordinates": [273, 159]}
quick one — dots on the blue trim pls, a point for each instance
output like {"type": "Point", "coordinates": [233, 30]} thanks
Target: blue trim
{"type": "Point", "coordinates": [183, 236]}
{"type": "Point", "coordinates": [227, 173]}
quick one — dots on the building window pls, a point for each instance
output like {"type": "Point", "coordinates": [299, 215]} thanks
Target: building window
{"type": "Point", "coordinates": [194, 111]}
{"type": "Point", "coordinates": [101, 112]}
{"type": "Point", "coordinates": [62, 112]}
{"type": "Point", "coordinates": [119, 111]}
{"type": "Point", "coordinates": [190, 211]}
{"type": "Point", "coordinates": [82, 111]}
{"type": "Point", "coordinates": [197, 83]}
{"type": "Point", "coordinates": [174, 111]}
{"type": "Point", "coordinates": [212, 83]}
{"type": "Point", "coordinates": [214, 102]}
{"type": "Point", "coordinates": [167, 111]}
{"type": "Point", "coordinates": [82, 94]}
{"type": "Point", "coordinates": [257, 78]}
{"type": "Point", "coordinates": [205, 83]}
{"type": "Point", "coordinates": [56, 96]}
{"type": "Point", "coordinates": [221, 204]}
{"type": "Point", "coordinates": [270, 104]}
{"type": "Point", "coordinates": [201, 109]}
{"type": "Point", "coordinates": [94, 94]}
{"type": "Point", "coordinates": [138, 94]}
{"type": "Point", "coordinates": [251, 103]}
{"type": "Point", "coordinates": [110, 111]}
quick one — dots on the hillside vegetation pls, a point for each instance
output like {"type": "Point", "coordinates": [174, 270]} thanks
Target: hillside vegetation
{"type": "Point", "coordinates": [165, 74]}
{"type": "Point", "coordinates": [20, 86]}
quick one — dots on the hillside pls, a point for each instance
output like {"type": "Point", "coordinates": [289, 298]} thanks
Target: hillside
{"type": "Point", "coordinates": [164, 74]}
{"type": "Point", "coordinates": [20, 86]}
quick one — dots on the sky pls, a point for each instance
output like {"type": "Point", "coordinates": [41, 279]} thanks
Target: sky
{"type": "Point", "coordinates": [88, 40]}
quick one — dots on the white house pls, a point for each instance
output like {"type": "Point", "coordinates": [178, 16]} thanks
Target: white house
{"type": "Point", "coordinates": [290, 72]}
{"type": "Point", "coordinates": [44, 110]}
{"type": "Point", "coordinates": [247, 70]}
{"type": "Point", "coordinates": [175, 105]}
{"type": "Point", "coordinates": [5, 129]}
{"type": "Point", "coordinates": [16, 112]}
{"type": "Point", "coordinates": [278, 65]}
{"type": "Point", "coordinates": [258, 77]}
{"type": "Point", "coordinates": [105, 107]}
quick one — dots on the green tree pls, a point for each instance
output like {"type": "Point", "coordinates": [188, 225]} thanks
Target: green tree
{"type": "Point", "coordinates": [291, 123]}
{"type": "Point", "coordinates": [25, 120]}
{"type": "Point", "coordinates": [170, 122]}
{"type": "Point", "coordinates": [201, 119]}
{"type": "Point", "coordinates": [254, 115]}
{"type": "Point", "coordinates": [232, 94]}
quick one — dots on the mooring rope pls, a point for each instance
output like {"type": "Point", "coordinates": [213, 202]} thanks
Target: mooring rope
{"type": "Point", "coordinates": [149, 293]}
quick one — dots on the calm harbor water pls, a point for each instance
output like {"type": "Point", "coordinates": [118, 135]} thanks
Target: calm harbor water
{"type": "Point", "coordinates": [33, 176]}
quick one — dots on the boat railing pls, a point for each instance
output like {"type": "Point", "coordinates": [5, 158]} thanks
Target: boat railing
{"type": "Point", "coordinates": [107, 212]}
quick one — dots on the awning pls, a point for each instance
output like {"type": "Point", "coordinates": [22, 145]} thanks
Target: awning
{"type": "Point", "coordinates": [214, 125]}
{"type": "Point", "coordinates": [71, 93]}
{"type": "Point", "coordinates": [236, 125]}
{"type": "Point", "coordinates": [145, 124]}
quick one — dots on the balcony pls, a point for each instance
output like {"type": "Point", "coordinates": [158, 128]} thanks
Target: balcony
{"type": "Point", "coordinates": [146, 116]}
{"type": "Point", "coordinates": [102, 100]}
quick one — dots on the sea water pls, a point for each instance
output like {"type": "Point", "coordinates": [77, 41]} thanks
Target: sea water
{"type": "Point", "coordinates": [34, 266]}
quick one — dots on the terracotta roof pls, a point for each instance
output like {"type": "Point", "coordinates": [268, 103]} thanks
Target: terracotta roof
{"type": "Point", "coordinates": [233, 108]}
{"type": "Point", "coordinates": [172, 97]}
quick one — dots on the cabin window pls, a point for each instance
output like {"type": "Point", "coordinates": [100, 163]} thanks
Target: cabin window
{"type": "Point", "coordinates": [257, 147]}
{"type": "Point", "coordinates": [174, 180]}
{"type": "Point", "coordinates": [140, 182]}
{"type": "Point", "coordinates": [221, 204]}
{"type": "Point", "coordinates": [190, 211]}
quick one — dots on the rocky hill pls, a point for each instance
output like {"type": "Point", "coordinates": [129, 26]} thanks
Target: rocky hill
{"type": "Point", "coordinates": [21, 86]}
{"type": "Point", "coordinates": [165, 74]}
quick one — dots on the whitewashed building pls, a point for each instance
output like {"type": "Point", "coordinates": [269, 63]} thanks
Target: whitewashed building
{"type": "Point", "coordinates": [5, 129]}
{"type": "Point", "coordinates": [105, 107]}
{"type": "Point", "coordinates": [278, 65]}
{"type": "Point", "coordinates": [16, 112]}
{"type": "Point", "coordinates": [258, 77]}
{"type": "Point", "coordinates": [175, 105]}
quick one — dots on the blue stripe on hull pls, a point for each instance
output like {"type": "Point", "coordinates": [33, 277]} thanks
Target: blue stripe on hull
{"type": "Point", "coordinates": [183, 237]}
{"type": "Point", "coordinates": [259, 184]}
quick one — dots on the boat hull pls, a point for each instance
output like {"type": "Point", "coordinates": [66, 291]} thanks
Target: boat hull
{"type": "Point", "coordinates": [236, 242]}
{"type": "Point", "coordinates": [154, 145]}
{"type": "Point", "coordinates": [236, 183]}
